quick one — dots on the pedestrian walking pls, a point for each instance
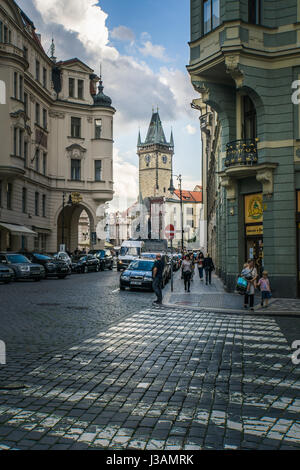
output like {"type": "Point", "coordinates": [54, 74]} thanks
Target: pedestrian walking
{"type": "Point", "coordinates": [157, 275]}
{"type": "Point", "coordinates": [187, 272]}
{"type": "Point", "coordinates": [265, 289]}
{"type": "Point", "coordinates": [200, 261]}
{"type": "Point", "coordinates": [250, 274]}
{"type": "Point", "coordinates": [192, 260]}
{"type": "Point", "coordinates": [208, 266]}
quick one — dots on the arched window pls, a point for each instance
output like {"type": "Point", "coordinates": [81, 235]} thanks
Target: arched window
{"type": "Point", "coordinates": [249, 130]}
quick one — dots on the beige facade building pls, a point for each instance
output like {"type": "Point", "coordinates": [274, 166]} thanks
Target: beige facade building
{"type": "Point", "coordinates": [56, 141]}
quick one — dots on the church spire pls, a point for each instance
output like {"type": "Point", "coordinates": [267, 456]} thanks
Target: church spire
{"type": "Point", "coordinates": [172, 139]}
{"type": "Point", "coordinates": [139, 139]}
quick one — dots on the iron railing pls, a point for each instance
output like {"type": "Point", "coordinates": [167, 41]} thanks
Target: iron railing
{"type": "Point", "coordinates": [241, 152]}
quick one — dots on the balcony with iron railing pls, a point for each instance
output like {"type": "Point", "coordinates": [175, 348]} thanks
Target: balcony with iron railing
{"type": "Point", "coordinates": [241, 152]}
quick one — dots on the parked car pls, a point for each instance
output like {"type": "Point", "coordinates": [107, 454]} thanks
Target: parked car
{"type": "Point", "coordinates": [22, 267]}
{"type": "Point", "coordinates": [86, 263]}
{"type": "Point", "coordinates": [138, 275]}
{"type": "Point", "coordinates": [54, 267]}
{"type": "Point", "coordinates": [105, 257]}
{"type": "Point", "coordinates": [167, 264]}
{"type": "Point", "coordinates": [6, 273]}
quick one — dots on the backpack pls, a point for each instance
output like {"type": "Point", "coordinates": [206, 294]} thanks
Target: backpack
{"type": "Point", "coordinates": [241, 285]}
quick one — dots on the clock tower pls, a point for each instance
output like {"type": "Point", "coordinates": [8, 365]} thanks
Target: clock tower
{"type": "Point", "coordinates": [155, 161]}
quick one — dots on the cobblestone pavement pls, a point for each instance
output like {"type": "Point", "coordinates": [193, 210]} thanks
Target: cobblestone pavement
{"type": "Point", "coordinates": [54, 314]}
{"type": "Point", "coordinates": [159, 379]}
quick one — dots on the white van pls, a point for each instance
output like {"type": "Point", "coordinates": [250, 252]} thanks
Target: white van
{"type": "Point", "coordinates": [129, 251]}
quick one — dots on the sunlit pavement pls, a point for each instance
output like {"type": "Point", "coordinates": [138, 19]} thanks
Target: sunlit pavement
{"type": "Point", "coordinates": [161, 378]}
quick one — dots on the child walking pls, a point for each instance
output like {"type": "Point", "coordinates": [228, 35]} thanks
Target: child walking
{"type": "Point", "coordinates": [265, 289]}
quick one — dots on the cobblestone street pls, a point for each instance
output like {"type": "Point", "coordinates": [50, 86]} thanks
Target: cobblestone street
{"type": "Point", "coordinates": [159, 379]}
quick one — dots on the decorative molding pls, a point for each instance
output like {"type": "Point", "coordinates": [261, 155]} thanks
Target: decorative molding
{"type": "Point", "coordinates": [230, 185]}
{"type": "Point", "coordinates": [265, 177]}
{"type": "Point", "coordinates": [76, 151]}
{"type": "Point", "coordinates": [232, 67]}
{"type": "Point", "coordinates": [57, 115]}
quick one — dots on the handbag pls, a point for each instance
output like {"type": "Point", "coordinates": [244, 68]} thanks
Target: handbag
{"type": "Point", "coordinates": [241, 285]}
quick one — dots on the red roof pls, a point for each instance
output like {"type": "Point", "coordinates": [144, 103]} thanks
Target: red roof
{"type": "Point", "coordinates": [189, 196]}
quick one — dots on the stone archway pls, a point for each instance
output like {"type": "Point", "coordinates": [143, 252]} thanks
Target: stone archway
{"type": "Point", "coordinates": [68, 233]}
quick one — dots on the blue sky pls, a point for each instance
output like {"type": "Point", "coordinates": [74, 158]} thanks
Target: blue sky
{"type": "Point", "coordinates": [143, 48]}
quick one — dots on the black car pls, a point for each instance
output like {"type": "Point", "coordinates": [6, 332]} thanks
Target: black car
{"type": "Point", "coordinates": [6, 273]}
{"type": "Point", "coordinates": [138, 275]}
{"type": "Point", "coordinates": [53, 267]}
{"type": "Point", "coordinates": [86, 263]}
{"type": "Point", "coordinates": [22, 267]}
{"type": "Point", "coordinates": [105, 257]}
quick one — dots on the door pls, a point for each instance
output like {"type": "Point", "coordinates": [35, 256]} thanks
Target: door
{"type": "Point", "coordinates": [255, 250]}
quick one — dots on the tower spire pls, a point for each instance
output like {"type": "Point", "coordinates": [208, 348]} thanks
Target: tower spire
{"type": "Point", "coordinates": [52, 50]}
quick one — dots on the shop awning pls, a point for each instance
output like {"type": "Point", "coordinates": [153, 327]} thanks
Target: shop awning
{"type": "Point", "coordinates": [18, 229]}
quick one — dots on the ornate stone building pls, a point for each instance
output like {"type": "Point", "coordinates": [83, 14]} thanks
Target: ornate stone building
{"type": "Point", "coordinates": [56, 138]}
{"type": "Point", "coordinates": [244, 62]}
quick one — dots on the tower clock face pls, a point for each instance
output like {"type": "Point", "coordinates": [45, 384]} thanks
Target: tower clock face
{"type": "Point", "coordinates": [164, 159]}
{"type": "Point", "coordinates": [147, 158]}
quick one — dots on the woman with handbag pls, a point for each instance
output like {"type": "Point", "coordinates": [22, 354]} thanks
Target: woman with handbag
{"type": "Point", "coordinates": [250, 275]}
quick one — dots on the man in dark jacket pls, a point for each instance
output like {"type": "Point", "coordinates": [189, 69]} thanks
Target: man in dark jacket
{"type": "Point", "coordinates": [157, 275]}
{"type": "Point", "coordinates": [208, 266]}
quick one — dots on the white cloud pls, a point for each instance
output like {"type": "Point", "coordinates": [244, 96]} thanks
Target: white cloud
{"type": "Point", "coordinates": [156, 51]}
{"type": "Point", "coordinates": [125, 182]}
{"type": "Point", "coordinates": [190, 129]}
{"type": "Point", "coordinates": [123, 33]}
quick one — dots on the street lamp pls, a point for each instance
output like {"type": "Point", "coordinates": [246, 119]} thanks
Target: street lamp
{"type": "Point", "coordinates": [70, 202]}
{"type": "Point", "coordinates": [172, 190]}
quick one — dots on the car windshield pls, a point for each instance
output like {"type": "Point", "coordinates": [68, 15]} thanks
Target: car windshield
{"type": "Point", "coordinates": [130, 250]}
{"type": "Point", "coordinates": [17, 259]}
{"type": "Point", "coordinates": [82, 258]}
{"type": "Point", "coordinates": [141, 266]}
{"type": "Point", "coordinates": [42, 257]}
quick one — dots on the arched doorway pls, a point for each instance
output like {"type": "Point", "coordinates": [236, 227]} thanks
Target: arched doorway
{"type": "Point", "coordinates": [75, 225]}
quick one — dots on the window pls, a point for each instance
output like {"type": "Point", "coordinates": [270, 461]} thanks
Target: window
{"type": "Point", "coordinates": [44, 163]}
{"type": "Point", "coordinates": [26, 103]}
{"type": "Point", "coordinates": [1, 31]}
{"type": "Point", "coordinates": [254, 7]}
{"type": "Point", "coordinates": [36, 203]}
{"type": "Point", "coordinates": [189, 211]}
{"type": "Point", "coordinates": [75, 127]}
{"type": "Point", "coordinates": [44, 118]}
{"type": "Point", "coordinates": [21, 133]}
{"type": "Point", "coordinates": [25, 52]}
{"type": "Point", "coordinates": [44, 206]}
{"type": "Point", "coordinates": [44, 77]}
{"type": "Point", "coordinates": [211, 15]}
{"type": "Point", "coordinates": [9, 196]}
{"type": "Point", "coordinates": [37, 113]}
{"type": "Point", "coordinates": [5, 35]}
{"type": "Point", "coordinates": [75, 169]}
{"type": "Point", "coordinates": [15, 140]}
{"type": "Point", "coordinates": [37, 70]}
{"type": "Point", "coordinates": [71, 87]}
{"type": "Point", "coordinates": [0, 193]}
{"type": "Point", "coordinates": [98, 170]}
{"type": "Point", "coordinates": [15, 85]}
{"type": "Point", "coordinates": [80, 89]}
{"type": "Point", "coordinates": [20, 88]}
{"type": "Point", "coordinates": [24, 200]}
{"type": "Point", "coordinates": [249, 127]}
{"type": "Point", "coordinates": [37, 160]}
{"type": "Point", "coordinates": [25, 153]}
{"type": "Point", "coordinates": [98, 128]}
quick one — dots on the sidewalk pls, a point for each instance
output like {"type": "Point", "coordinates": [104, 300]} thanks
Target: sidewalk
{"type": "Point", "coordinates": [214, 297]}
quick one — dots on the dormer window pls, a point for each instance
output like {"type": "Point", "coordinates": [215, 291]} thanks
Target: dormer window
{"type": "Point", "coordinates": [80, 88]}
{"type": "Point", "coordinates": [71, 87]}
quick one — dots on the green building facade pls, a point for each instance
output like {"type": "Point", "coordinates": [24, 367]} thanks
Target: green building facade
{"type": "Point", "coordinates": [245, 64]}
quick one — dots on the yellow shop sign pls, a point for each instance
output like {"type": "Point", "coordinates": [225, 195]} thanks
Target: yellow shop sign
{"type": "Point", "coordinates": [253, 208]}
{"type": "Point", "coordinates": [252, 230]}
{"type": "Point", "coordinates": [76, 198]}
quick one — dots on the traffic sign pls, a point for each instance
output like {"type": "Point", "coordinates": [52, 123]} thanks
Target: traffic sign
{"type": "Point", "coordinates": [170, 232]}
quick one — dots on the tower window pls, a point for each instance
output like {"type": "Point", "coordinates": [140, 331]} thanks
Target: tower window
{"type": "Point", "coordinates": [164, 159]}
{"type": "Point", "coordinates": [98, 128]}
{"type": "Point", "coordinates": [211, 15]}
{"type": "Point", "coordinates": [254, 8]}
